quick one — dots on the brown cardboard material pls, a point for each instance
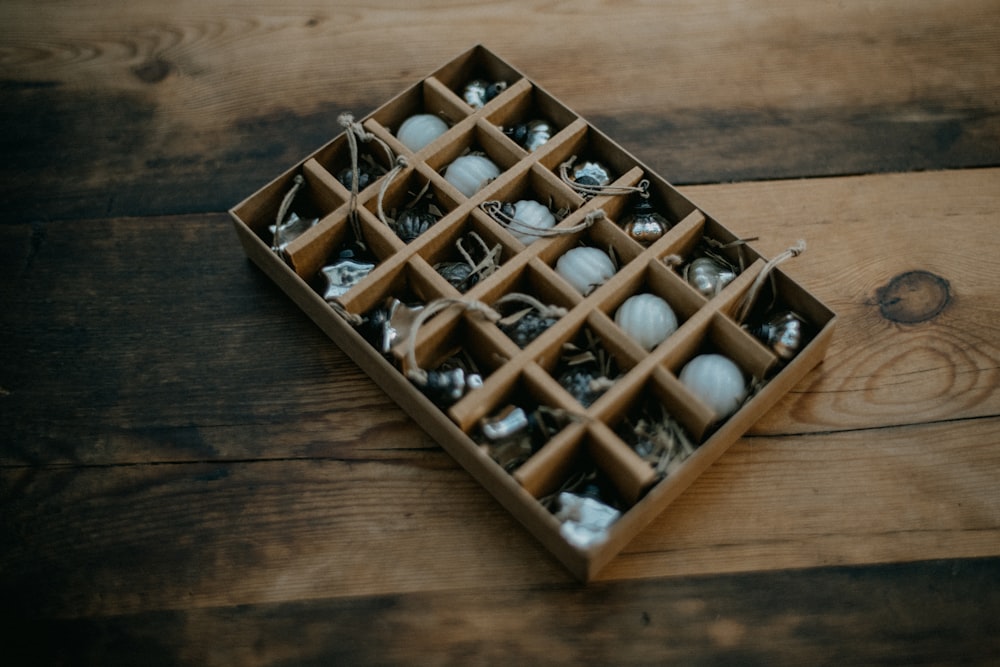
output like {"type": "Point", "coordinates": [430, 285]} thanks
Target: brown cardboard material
{"type": "Point", "coordinates": [406, 271]}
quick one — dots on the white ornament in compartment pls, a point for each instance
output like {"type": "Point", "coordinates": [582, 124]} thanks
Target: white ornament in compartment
{"type": "Point", "coordinates": [419, 130]}
{"type": "Point", "coordinates": [528, 215]}
{"type": "Point", "coordinates": [470, 173]}
{"type": "Point", "coordinates": [585, 268]}
{"type": "Point", "coordinates": [717, 381]}
{"type": "Point", "coordinates": [647, 318]}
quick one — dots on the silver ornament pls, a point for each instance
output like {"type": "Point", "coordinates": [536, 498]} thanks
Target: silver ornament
{"type": "Point", "coordinates": [342, 275]}
{"type": "Point", "coordinates": [592, 173]}
{"type": "Point", "coordinates": [644, 224]}
{"type": "Point", "coordinates": [708, 276]}
{"type": "Point", "coordinates": [448, 386]}
{"type": "Point", "coordinates": [478, 92]}
{"type": "Point", "coordinates": [784, 333]}
{"type": "Point", "coordinates": [289, 230]}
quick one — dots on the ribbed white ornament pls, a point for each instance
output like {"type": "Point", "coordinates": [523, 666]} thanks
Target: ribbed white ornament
{"type": "Point", "coordinates": [585, 268]}
{"type": "Point", "coordinates": [469, 173]}
{"type": "Point", "coordinates": [717, 381]}
{"type": "Point", "coordinates": [419, 130]}
{"type": "Point", "coordinates": [529, 213]}
{"type": "Point", "coordinates": [647, 318]}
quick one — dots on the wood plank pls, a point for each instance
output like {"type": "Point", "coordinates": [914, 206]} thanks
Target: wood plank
{"type": "Point", "coordinates": [154, 340]}
{"type": "Point", "coordinates": [95, 541]}
{"type": "Point", "coordinates": [828, 616]}
{"type": "Point", "coordinates": [862, 233]}
{"type": "Point", "coordinates": [189, 108]}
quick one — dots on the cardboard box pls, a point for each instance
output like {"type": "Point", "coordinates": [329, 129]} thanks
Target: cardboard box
{"type": "Point", "coordinates": [594, 439]}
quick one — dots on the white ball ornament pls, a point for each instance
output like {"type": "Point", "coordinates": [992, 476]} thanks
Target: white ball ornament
{"type": "Point", "coordinates": [419, 130]}
{"type": "Point", "coordinates": [528, 215]}
{"type": "Point", "coordinates": [647, 318]}
{"type": "Point", "coordinates": [585, 268]}
{"type": "Point", "coordinates": [717, 381]}
{"type": "Point", "coordinates": [470, 173]}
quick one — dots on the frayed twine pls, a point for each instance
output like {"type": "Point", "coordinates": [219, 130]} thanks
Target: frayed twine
{"type": "Point", "coordinates": [750, 298]}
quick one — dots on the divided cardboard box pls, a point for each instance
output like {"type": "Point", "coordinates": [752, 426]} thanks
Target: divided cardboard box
{"type": "Point", "coordinates": [591, 440]}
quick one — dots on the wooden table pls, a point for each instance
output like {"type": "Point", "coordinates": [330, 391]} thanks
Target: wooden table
{"type": "Point", "coordinates": [191, 473]}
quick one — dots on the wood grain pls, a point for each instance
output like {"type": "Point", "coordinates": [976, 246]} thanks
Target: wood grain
{"type": "Point", "coordinates": [931, 613]}
{"type": "Point", "coordinates": [191, 473]}
{"type": "Point", "coordinates": [158, 341]}
{"type": "Point", "coordinates": [188, 109]}
{"type": "Point", "coordinates": [143, 420]}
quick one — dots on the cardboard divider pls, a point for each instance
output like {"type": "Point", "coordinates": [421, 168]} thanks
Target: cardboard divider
{"type": "Point", "coordinates": [316, 198]}
{"type": "Point", "coordinates": [598, 436]}
{"type": "Point", "coordinates": [401, 195]}
{"type": "Point", "coordinates": [335, 158]}
{"type": "Point", "coordinates": [429, 96]}
{"type": "Point", "coordinates": [630, 474]}
{"type": "Point", "coordinates": [585, 143]}
{"type": "Point", "coordinates": [528, 102]}
{"type": "Point", "coordinates": [458, 334]}
{"type": "Point", "coordinates": [755, 359]}
{"type": "Point", "coordinates": [477, 63]}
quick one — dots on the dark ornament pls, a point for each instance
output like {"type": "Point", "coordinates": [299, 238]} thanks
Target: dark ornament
{"type": "Point", "coordinates": [583, 384]}
{"type": "Point", "coordinates": [413, 222]}
{"type": "Point", "coordinates": [527, 328]}
{"type": "Point", "coordinates": [460, 275]}
{"type": "Point", "coordinates": [445, 387]}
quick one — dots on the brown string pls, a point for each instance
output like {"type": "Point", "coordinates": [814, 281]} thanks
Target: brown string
{"type": "Point", "coordinates": [543, 310]}
{"type": "Point", "coordinates": [413, 370]}
{"type": "Point", "coordinates": [746, 304]}
{"type": "Point", "coordinates": [401, 164]}
{"type": "Point", "coordinates": [352, 318]}
{"type": "Point", "coordinates": [355, 131]}
{"type": "Point", "coordinates": [283, 209]}
{"type": "Point", "coordinates": [595, 190]}
{"type": "Point", "coordinates": [494, 209]}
